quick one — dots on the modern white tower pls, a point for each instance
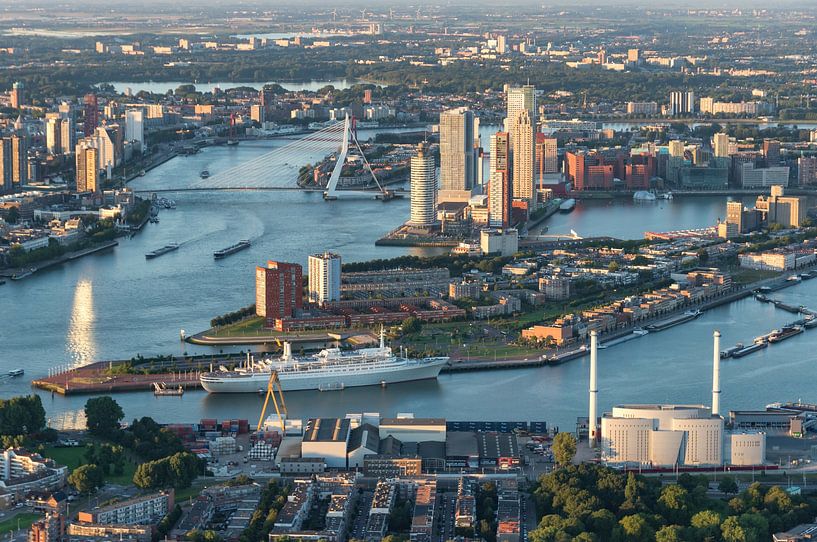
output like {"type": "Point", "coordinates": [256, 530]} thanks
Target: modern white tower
{"type": "Point", "coordinates": [592, 429]}
{"type": "Point", "coordinates": [716, 374]}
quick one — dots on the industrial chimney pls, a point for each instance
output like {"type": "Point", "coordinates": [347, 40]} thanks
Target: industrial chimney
{"type": "Point", "coordinates": [716, 374]}
{"type": "Point", "coordinates": [594, 350]}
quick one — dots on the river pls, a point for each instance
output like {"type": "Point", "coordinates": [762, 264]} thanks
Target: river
{"type": "Point", "coordinates": [117, 304]}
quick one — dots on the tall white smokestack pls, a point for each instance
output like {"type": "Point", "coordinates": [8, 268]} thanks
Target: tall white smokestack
{"type": "Point", "coordinates": [716, 374]}
{"type": "Point", "coordinates": [592, 430]}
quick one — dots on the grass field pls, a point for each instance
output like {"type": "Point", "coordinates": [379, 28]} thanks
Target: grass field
{"type": "Point", "coordinates": [73, 458]}
{"type": "Point", "coordinates": [25, 520]}
{"type": "Point", "coordinates": [249, 327]}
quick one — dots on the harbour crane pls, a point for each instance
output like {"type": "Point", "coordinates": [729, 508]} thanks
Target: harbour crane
{"type": "Point", "coordinates": [274, 385]}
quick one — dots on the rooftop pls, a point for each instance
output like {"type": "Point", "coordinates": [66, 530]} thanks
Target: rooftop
{"type": "Point", "coordinates": [327, 430]}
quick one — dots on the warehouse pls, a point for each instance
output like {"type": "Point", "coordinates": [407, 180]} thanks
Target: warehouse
{"type": "Point", "coordinates": [327, 438]}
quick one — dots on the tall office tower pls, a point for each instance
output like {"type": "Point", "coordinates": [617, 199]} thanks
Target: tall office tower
{"type": "Point", "coordinates": [523, 140]}
{"type": "Point", "coordinates": [18, 95]}
{"type": "Point", "coordinates": [720, 145]}
{"type": "Point", "coordinates": [423, 189]}
{"type": "Point", "coordinates": [457, 157]}
{"type": "Point", "coordinates": [682, 102]}
{"type": "Point", "coordinates": [367, 96]}
{"type": "Point", "coordinates": [53, 134]}
{"type": "Point", "coordinates": [324, 278]}
{"type": "Point", "coordinates": [91, 114]}
{"type": "Point", "coordinates": [279, 291]}
{"type": "Point", "coordinates": [547, 155]}
{"type": "Point", "coordinates": [135, 126]}
{"type": "Point", "coordinates": [105, 142]}
{"type": "Point", "coordinates": [68, 137]}
{"type": "Point", "coordinates": [771, 151]}
{"type": "Point", "coordinates": [676, 148]}
{"type": "Point", "coordinates": [519, 99]}
{"type": "Point", "coordinates": [5, 165]}
{"type": "Point", "coordinates": [87, 172]}
{"type": "Point", "coordinates": [19, 160]}
{"type": "Point", "coordinates": [257, 113]}
{"type": "Point", "coordinates": [266, 96]}
{"type": "Point", "coordinates": [499, 182]}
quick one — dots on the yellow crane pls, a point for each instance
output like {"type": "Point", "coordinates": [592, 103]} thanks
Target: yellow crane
{"type": "Point", "coordinates": [274, 385]}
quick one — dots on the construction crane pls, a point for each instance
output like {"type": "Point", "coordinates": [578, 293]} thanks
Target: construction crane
{"type": "Point", "coordinates": [274, 385]}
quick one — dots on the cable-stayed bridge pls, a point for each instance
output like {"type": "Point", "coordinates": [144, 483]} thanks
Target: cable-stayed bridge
{"type": "Point", "coordinates": [278, 169]}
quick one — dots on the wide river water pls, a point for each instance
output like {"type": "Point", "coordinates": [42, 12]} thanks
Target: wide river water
{"type": "Point", "coordinates": [117, 304]}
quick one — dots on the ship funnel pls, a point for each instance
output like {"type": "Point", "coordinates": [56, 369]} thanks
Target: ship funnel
{"type": "Point", "coordinates": [287, 351]}
{"type": "Point", "coordinates": [594, 391]}
{"type": "Point", "coordinates": [716, 374]}
{"type": "Point", "coordinates": [382, 337]}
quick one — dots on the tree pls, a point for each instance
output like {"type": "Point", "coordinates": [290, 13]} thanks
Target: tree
{"type": "Point", "coordinates": [411, 325]}
{"type": "Point", "coordinates": [564, 448]}
{"type": "Point", "coordinates": [102, 416]}
{"type": "Point", "coordinates": [728, 485]}
{"type": "Point", "coordinates": [703, 256]}
{"type": "Point", "coordinates": [731, 530]}
{"type": "Point", "coordinates": [707, 523]}
{"type": "Point", "coordinates": [86, 479]}
{"type": "Point", "coordinates": [669, 533]}
{"type": "Point", "coordinates": [636, 528]}
{"type": "Point", "coordinates": [613, 267]}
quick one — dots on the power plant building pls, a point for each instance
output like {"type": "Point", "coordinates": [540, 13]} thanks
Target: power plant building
{"type": "Point", "coordinates": [662, 436]}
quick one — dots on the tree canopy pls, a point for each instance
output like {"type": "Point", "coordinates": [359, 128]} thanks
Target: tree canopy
{"type": "Point", "coordinates": [102, 416]}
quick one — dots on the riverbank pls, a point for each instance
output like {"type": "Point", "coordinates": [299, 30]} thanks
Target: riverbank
{"type": "Point", "coordinates": [623, 194]}
{"type": "Point", "coordinates": [19, 273]}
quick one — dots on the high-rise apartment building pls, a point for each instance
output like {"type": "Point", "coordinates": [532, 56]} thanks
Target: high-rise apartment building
{"type": "Point", "coordinates": [257, 113]}
{"type": "Point", "coordinates": [135, 126]}
{"type": "Point", "coordinates": [18, 96]}
{"type": "Point", "coordinates": [19, 160]}
{"type": "Point", "coordinates": [324, 278]}
{"type": "Point", "coordinates": [519, 99]}
{"type": "Point", "coordinates": [547, 155]}
{"type": "Point", "coordinates": [87, 172]}
{"type": "Point", "coordinates": [523, 140]}
{"type": "Point", "coordinates": [771, 152]}
{"type": "Point", "coordinates": [676, 148]}
{"type": "Point", "coordinates": [6, 185]}
{"type": "Point", "coordinates": [91, 114]}
{"type": "Point", "coordinates": [53, 134]}
{"type": "Point", "coordinates": [682, 102]}
{"type": "Point", "coordinates": [499, 183]}
{"type": "Point", "coordinates": [807, 170]}
{"type": "Point", "coordinates": [423, 189]}
{"type": "Point", "coordinates": [720, 145]}
{"type": "Point", "coordinates": [457, 153]}
{"type": "Point", "coordinates": [279, 291]}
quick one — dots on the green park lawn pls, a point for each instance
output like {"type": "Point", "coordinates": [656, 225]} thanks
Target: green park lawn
{"type": "Point", "coordinates": [25, 520]}
{"type": "Point", "coordinates": [72, 458]}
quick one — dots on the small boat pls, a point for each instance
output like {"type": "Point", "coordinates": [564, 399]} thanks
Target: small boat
{"type": "Point", "coordinates": [161, 389]}
{"type": "Point", "coordinates": [2, 282]}
{"type": "Point", "coordinates": [811, 323]}
{"type": "Point", "coordinates": [232, 142]}
{"type": "Point", "coordinates": [204, 174]}
{"type": "Point", "coordinates": [16, 372]}
{"type": "Point", "coordinates": [23, 274]}
{"type": "Point", "coordinates": [332, 386]}
{"type": "Point", "coordinates": [142, 173]}
{"type": "Point", "coordinates": [643, 195]}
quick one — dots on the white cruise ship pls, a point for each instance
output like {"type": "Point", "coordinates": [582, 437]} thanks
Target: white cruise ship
{"type": "Point", "coordinates": [330, 369]}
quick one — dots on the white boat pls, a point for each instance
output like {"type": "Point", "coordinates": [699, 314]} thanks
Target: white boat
{"type": "Point", "coordinates": [329, 370]}
{"type": "Point", "coordinates": [643, 195]}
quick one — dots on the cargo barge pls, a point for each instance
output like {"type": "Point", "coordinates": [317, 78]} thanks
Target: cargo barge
{"type": "Point", "coordinates": [567, 205]}
{"type": "Point", "coordinates": [232, 249]}
{"type": "Point", "coordinates": [754, 347]}
{"type": "Point", "coordinates": [161, 251]}
{"type": "Point", "coordinates": [786, 332]}
{"type": "Point", "coordinates": [674, 321]}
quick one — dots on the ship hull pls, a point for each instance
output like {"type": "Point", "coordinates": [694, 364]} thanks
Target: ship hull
{"type": "Point", "coordinates": [213, 383]}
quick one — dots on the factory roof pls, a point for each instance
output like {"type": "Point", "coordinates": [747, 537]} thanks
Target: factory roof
{"type": "Point", "coordinates": [461, 444]}
{"type": "Point", "coordinates": [327, 430]}
{"type": "Point", "coordinates": [366, 436]}
{"type": "Point", "coordinates": [496, 445]}
{"type": "Point", "coordinates": [390, 446]}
